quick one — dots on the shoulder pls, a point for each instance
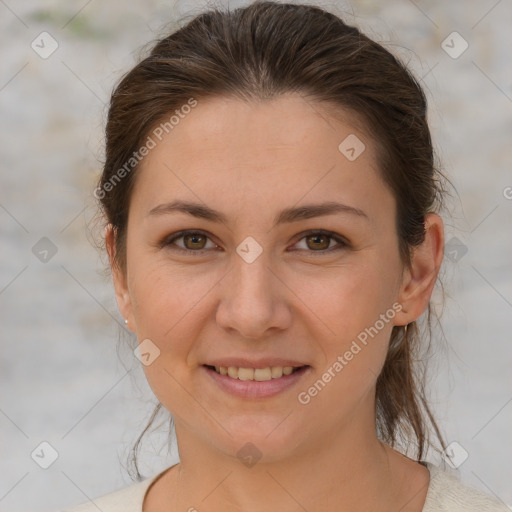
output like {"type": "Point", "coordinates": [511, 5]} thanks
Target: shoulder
{"type": "Point", "coordinates": [127, 499]}
{"type": "Point", "coordinates": [446, 493]}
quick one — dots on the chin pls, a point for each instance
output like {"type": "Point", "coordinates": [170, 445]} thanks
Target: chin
{"type": "Point", "coordinates": [255, 439]}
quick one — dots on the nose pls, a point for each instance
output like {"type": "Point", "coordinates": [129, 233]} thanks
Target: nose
{"type": "Point", "coordinates": [253, 299]}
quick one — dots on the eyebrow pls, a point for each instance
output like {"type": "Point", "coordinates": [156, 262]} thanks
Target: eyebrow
{"type": "Point", "coordinates": [287, 215]}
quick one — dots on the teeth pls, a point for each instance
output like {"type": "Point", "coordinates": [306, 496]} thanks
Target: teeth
{"type": "Point", "coordinates": [258, 374]}
{"type": "Point", "coordinates": [263, 374]}
{"type": "Point", "coordinates": [245, 373]}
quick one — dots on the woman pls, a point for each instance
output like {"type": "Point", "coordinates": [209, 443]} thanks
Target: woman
{"type": "Point", "coordinates": [272, 203]}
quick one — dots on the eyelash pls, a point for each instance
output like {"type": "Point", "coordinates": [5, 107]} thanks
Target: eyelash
{"type": "Point", "coordinates": [168, 241]}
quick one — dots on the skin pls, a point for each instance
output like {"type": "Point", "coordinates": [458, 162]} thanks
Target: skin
{"type": "Point", "coordinates": [298, 299]}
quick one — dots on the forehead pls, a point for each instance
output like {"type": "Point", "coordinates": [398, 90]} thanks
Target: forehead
{"type": "Point", "coordinates": [238, 128]}
{"type": "Point", "coordinates": [262, 152]}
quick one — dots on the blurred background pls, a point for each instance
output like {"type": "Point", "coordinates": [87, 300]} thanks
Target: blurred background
{"type": "Point", "coordinates": [73, 396]}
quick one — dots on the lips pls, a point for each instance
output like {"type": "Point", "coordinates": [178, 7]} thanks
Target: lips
{"type": "Point", "coordinates": [252, 388]}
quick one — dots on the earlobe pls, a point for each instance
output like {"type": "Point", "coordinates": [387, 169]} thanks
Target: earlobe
{"type": "Point", "coordinates": [419, 280]}
{"type": "Point", "coordinates": [118, 276]}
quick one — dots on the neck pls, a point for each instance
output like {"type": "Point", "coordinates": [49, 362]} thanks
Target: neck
{"type": "Point", "coordinates": [347, 471]}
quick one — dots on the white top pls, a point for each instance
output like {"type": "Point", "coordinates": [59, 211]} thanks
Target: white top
{"type": "Point", "coordinates": [446, 493]}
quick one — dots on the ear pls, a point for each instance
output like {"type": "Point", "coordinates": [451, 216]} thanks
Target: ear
{"type": "Point", "coordinates": [418, 281]}
{"type": "Point", "coordinates": [119, 277]}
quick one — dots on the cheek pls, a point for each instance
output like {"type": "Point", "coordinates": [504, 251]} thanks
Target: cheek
{"type": "Point", "coordinates": [337, 308]}
{"type": "Point", "coordinates": [353, 311]}
{"type": "Point", "coordinates": [359, 317]}
{"type": "Point", "coordinates": [163, 295]}
{"type": "Point", "coordinates": [347, 299]}
{"type": "Point", "coordinates": [168, 310]}
{"type": "Point", "coordinates": [337, 301]}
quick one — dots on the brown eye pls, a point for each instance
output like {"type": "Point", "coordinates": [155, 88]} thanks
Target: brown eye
{"type": "Point", "coordinates": [194, 241]}
{"type": "Point", "coordinates": [318, 241]}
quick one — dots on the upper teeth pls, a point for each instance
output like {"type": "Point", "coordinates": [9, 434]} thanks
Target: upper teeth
{"type": "Point", "coordinates": [274, 372]}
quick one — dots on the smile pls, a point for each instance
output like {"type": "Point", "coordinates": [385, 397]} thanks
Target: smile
{"type": "Point", "coordinates": [255, 383]}
{"type": "Point", "coordinates": [259, 374]}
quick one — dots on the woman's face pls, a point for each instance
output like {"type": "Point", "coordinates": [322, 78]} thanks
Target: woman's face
{"type": "Point", "coordinates": [262, 287]}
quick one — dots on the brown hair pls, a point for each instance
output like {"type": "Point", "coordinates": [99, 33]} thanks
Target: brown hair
{"type": "Point", "coordinates": [257, 53]}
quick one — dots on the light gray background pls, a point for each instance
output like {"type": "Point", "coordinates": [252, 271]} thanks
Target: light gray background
{"type": "Point", "coordinates": [62, 379]}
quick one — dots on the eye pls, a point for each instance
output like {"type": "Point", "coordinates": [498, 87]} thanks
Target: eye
{"type": "Point", "coordinates": [320, 241]}
{"type": "Point", "coordinates": [195, 242]}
